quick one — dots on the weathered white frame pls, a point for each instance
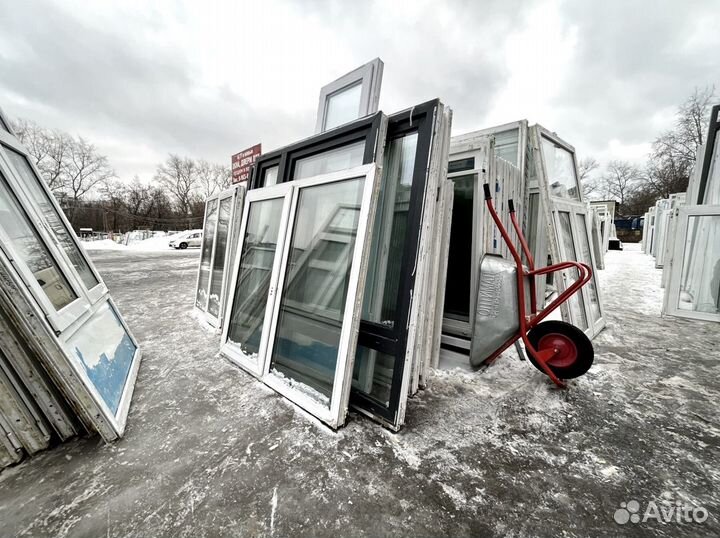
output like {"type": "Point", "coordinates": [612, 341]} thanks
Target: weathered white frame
{"type": "Point", "coordinates": [22, 292]}
{"type": "Point", "coordinates": [232, 193]}
{"type": "Point", "coordinates": [369, 75]}
{"type": "Point", "coordinates": [256, 364]}
{"type": "Point", "coordinates": [455, 326]}
{"type": "Point", "coordinates": [334, 416]}
{"type": "Point", "coordinates": [60, 319]}
{"type": "Point", "coordinates": [575, 209]}
{"type": "Point", "coordinates": [552, 206]}
{"type": "Point", "coordinates": [673, 291]}
{"type": "Point", "coordinates": [8, 139]}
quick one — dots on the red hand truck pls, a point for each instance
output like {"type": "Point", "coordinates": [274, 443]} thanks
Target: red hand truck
{"type": "Point", "coordinates": [558, 349]}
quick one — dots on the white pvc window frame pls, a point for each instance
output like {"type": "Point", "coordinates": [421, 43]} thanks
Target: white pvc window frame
{"type": "Point", "coordinates": [231, 194]}
{"type": "Point", "coordinates": [679, 257]}
{"type": "Point", "coordinates": [594, 326]}
{"type": "Point", "coordinates": [553, 206]}
{"type": "Point", "coordinates": [453, 326]}
{"type": "Point", "coordinates": [63, 323]}
{"type": "Point", "coordinates": [255, 364]}
{"type": "Point", "coordinates": [85, 297]}
{"type": "Point", "coordinates": [335, 414]}
{"type": "Point", "coordinates": [369, 76]}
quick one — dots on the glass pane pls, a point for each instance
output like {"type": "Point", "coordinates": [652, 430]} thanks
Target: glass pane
{"type": "Point", "coordinates": [253, 281]}
{"type": "Point", "coordinates": [312, 303]}
{"type": "Point", "coordinates": [700, 277]}
{"type": "Point", "coordinates": [31, 181]}
{"type": "Point", "coordinates": [343, 106]}
{"type": "Point", "coordinates": [461, 165]}
{"type": "Point", "coordinates": [586, 258]}
{"type": "Point", "coordinates": [560, 170]}
{"type": "Point", "coordinates": [333, 160]}
{"type": "Point", "coordinates": [575, 302]}
{"type": "Point", "coordinates": [506, 145]}
{"type": "Point", "coordinates": [389, 230]}
{"type": "Point", "coordinates": [106, 352]}
{"type": "Point", "coordinates": [26, 241]}
{"type": "Point", "coordinates": [373, 374]}
{"type": "Point", "coordinates": [457, 288]}
{"type": "Point", "coordinates": [271, 176]}
{"type": "Point", "coordinates": [207, 244]}
{"type": "Point", "coordinates": [223, 224]}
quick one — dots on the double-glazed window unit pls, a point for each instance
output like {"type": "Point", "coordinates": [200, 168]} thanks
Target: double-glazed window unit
{"type": "Point", "coordinates": [693, 277]}
{"type": "Point", "coordinates": [565, 210]}
{"type": "Point", "coordinates": [407, 146]}
{"type": "Point", "coordinates": [53, 296]}
{"type": "Point", "coordinates": [350, 97]}
{"type": "Point", "coordinates": [222, 216]}
{"type": "Point", "coordinates": [495, 156]}
{"type": "Point", "coordinates": [294, 317]}
{"type": "Point", "coordinates": [694, 286]}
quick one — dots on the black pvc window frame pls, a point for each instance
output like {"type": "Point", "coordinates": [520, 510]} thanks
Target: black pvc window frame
{"type": "Point", "coordinates": [286, 158]}
{"type": "Point", "coordinates": [392, 341]}
{"type": "Point", "coordinates": [709, 151]}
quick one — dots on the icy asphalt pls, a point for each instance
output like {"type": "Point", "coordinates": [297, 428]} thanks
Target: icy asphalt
{"type": "Point", "coordinates": [211, 452]}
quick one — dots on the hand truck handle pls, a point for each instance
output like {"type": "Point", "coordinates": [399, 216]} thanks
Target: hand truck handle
{"type": "Point", "coordinates": [511, 206]}
{"type": "Point", "coordinates": [486, 188]}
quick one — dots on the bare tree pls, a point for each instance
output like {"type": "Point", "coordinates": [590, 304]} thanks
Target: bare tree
{"type": "Point", "coordinates": [620, 179]}
{"type": "Point", "coordinates": [212, 178]}
{"type": "Point", "coordinates": [586, 167]}
{"type": "Point", "coordinates": [49, 150]}
{"type": "Point", "coordinates": [674, 151]}
{"type": "Point", "coordinates": [85, 169]}
{"type": "Point", "coordinates": [179, 176]}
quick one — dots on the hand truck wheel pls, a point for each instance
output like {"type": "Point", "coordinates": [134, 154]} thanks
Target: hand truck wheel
{"type": "Point", "coordinates": [574, 355]}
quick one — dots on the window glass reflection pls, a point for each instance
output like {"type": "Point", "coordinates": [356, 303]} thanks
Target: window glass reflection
{"type": "Point", "coordinates": [106, 352]}
{"type": "Point", "coordinates": [31, 250]}
{"type": "Point", "coordinates": [333, 160]}
{"type": "Point", "coordinates": [207, 242]}
{"type": "Point", "coordinates": [343, 106]}
{"type": "Point", "coordinates": [506, 145]}
{"type": "Point", "coordinates": [388, 241]}
{"type": "Point", "coordinates": [314, 293]}
{"type": "Point", "coordinates": [271, 176]}
{"type": "Point", "coordinates": [586, 258]}
{"type": "Point", "coordinates": [560, 169]}
{"type": "Point", "coordinates": [700, 277]}
{"type": "Point", "coordinates": [575, 302]}
{"type": "Point", "coordinates": [259, 249]}
{"type": "Point", "coordinates": [41, 198]}
{"type": "Point", "coordinates": [373, 374]}
{"type": "Point", "coordinates": [218, 266]}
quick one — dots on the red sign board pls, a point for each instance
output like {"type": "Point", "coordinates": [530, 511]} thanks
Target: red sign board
{"type": "Point", "coordinates": [241, 163]}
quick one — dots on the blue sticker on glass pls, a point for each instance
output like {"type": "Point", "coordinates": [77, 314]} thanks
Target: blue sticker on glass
{"type": "Point", "coordinates": [106, 352]}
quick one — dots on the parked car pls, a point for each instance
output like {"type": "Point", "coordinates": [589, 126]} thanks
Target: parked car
{"type": "Point", "coordinates": [189, 239]}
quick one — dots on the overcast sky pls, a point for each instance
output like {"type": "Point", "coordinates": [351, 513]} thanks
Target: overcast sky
{"type": "Point", "coordinates": [207, 79]}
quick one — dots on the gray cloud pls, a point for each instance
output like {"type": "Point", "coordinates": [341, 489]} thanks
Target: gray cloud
{"type": "Point", "coordinates": [144, 98]}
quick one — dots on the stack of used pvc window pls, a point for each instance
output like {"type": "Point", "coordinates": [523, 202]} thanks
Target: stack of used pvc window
{"type": "Point", "coordinates": [223, 212]}
{"type": "Point", "coordinates": [538, 171]}
{"type": "Point", "coordinates": [333, 293]}
{"type": "Point", "coordinates": [67, 359]}
{"type": "Point", "coordinates": [692, 254]}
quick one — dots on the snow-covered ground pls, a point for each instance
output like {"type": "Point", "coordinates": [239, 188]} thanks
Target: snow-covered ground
{"type": "Point", "coordinates": [209, 451]}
